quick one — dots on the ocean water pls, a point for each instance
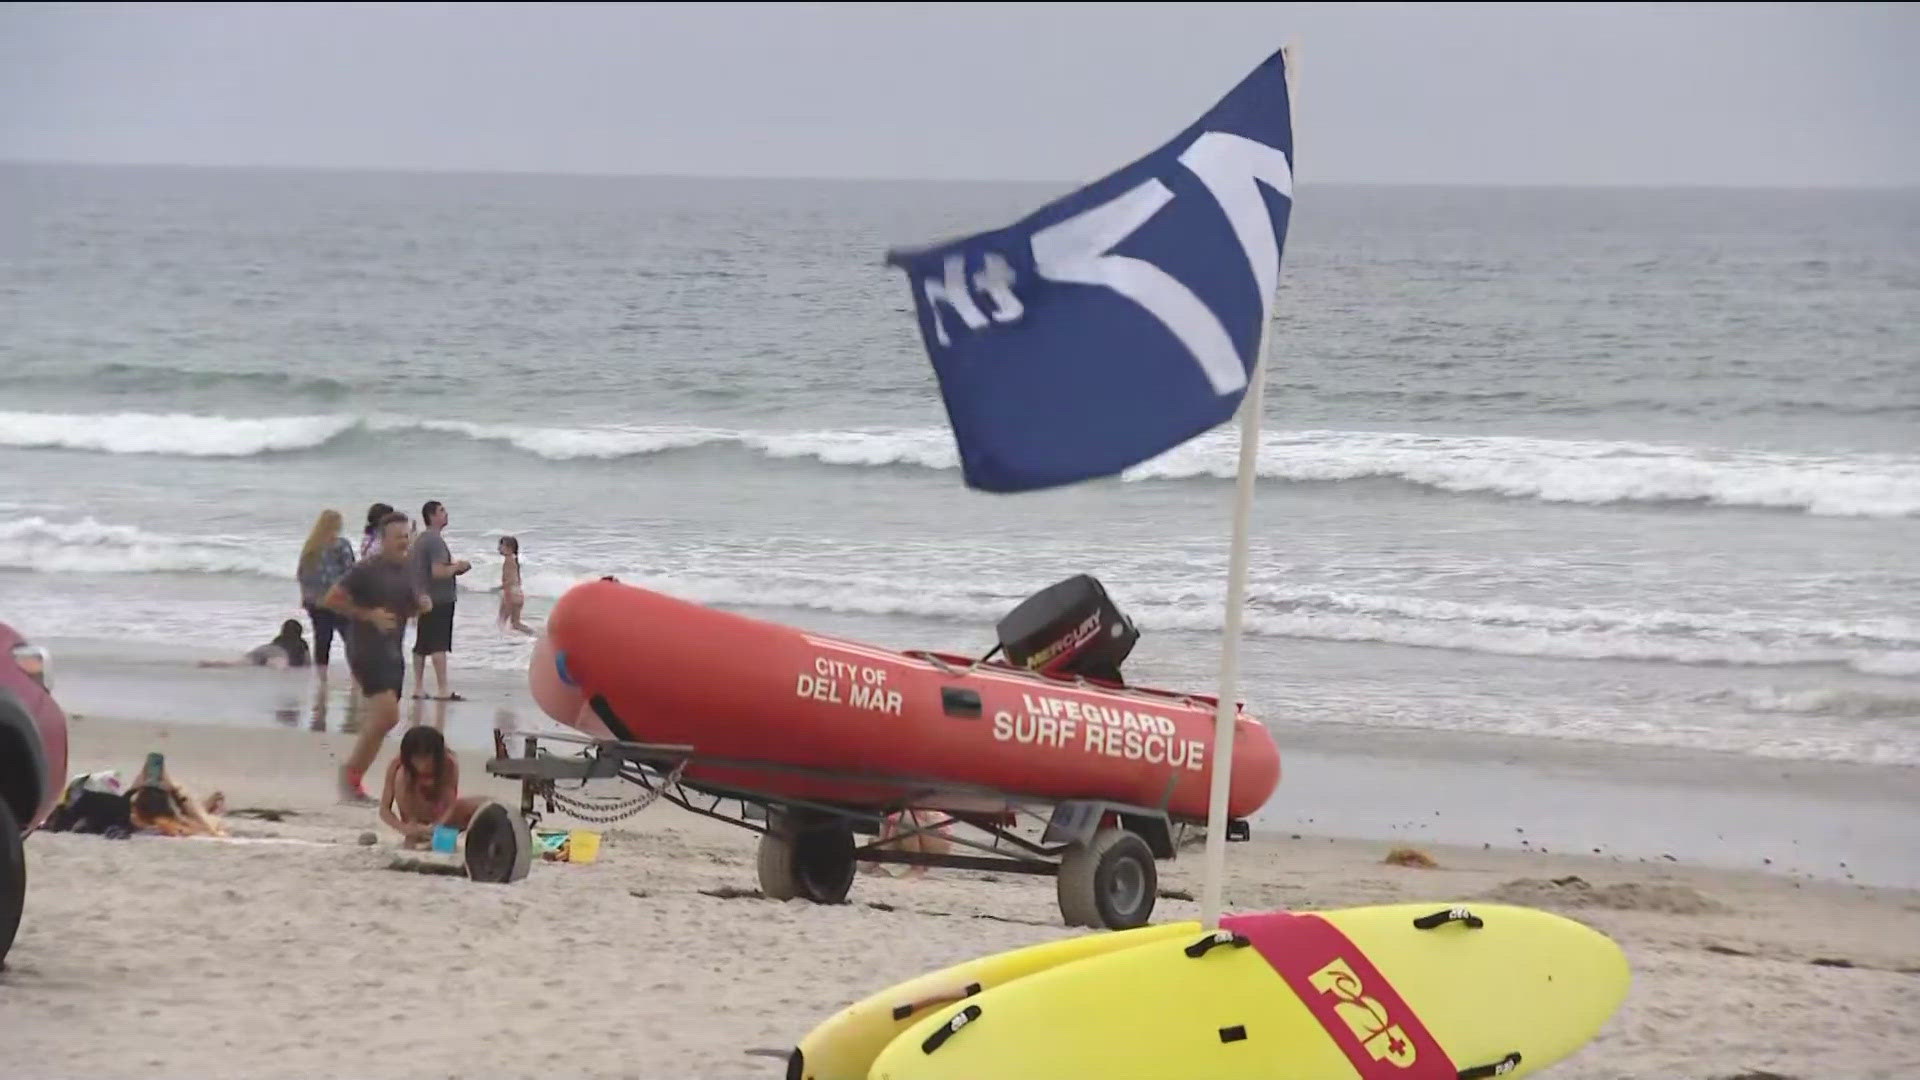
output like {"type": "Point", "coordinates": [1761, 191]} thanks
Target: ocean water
{"type": "Point", "coordinates": [1629, 466]}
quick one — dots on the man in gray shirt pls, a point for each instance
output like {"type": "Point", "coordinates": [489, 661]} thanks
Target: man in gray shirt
{"type": "Point", "coordinates": [377, 597]}
{"type": "Point", "coordinates": [434, 568]}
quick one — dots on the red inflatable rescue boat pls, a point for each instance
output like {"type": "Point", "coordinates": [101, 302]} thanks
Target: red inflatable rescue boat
{"type": "Point", "coordinates": [1052, 721]}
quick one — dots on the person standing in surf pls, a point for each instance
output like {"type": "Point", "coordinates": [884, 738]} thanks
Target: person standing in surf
{"type": "Point", "coordinates": [324, 559]}
{"type": "Point", "coordinates": [435, 568]}
{"type": "Point", "coordinates": [377, 597]}
{"type": "Point", "coordinates": [513, 598]}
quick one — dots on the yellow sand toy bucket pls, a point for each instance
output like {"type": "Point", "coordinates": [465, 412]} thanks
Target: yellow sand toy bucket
{"type": "Point", "coordinates": [567, 845]}
{"type": "Point", "coordinates": [583, 846]}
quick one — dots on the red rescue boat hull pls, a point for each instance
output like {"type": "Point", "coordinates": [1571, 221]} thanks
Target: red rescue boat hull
{"type": "Point", "coordinates": [737, 687]}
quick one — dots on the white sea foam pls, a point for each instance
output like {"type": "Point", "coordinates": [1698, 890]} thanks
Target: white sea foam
{"type": "Point", "coordinates": [90, 547]}
{"type": "Point", "coordinates": [927, 448]}
{"type": "Point", "coordinates": [176, 434]}
{"type": "Point", "coordinates": [1881, 646]}
{"type": "Point", "coordinates": [1494, 628]}
{"type": "Point", "coordinates": [1900, 664]}
{"type": "Point", "coordinates": [1888, 646]}
{"type": "Point", "coordinates": [1554, 470]}
{"type": "Point", "coordinates": [1861, 704]}
{"type": "Point", "coordinates": [567, 443]}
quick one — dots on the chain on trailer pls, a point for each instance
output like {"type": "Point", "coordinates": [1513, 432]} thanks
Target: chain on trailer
{"type": "Point", "coordinates": [603, 810]}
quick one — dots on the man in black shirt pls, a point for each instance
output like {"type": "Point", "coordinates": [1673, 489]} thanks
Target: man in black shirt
{"type": "Point", "coordinates": [377, 597]}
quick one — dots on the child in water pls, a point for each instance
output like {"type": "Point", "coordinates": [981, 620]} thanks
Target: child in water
{"type": "Point", "coordinates": [423, 788]}
{"type": "Point", "coordinates": [512, 597]}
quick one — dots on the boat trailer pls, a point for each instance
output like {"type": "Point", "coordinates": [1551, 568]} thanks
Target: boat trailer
{"type": "Point", "coordinates": [1100, 852]}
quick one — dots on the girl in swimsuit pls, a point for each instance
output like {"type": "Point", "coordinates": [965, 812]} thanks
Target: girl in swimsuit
{"type": "Point", "coordinates": [512, 597]}
{"type": "Point", "coordinates": [423, 788]}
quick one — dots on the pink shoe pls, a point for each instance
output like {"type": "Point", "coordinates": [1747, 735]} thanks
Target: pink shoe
{"type": "Point", "coordinates": [351, 793]}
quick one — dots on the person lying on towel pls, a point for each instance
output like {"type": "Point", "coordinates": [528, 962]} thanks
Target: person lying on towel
{"type": "Point", "coordinates": [155, 803]}
{"type": "Point", "coordinates": [422, 789]}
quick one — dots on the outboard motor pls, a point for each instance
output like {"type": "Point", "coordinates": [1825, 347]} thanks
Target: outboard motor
{"type": "Point", "coordinates": [1071, 628]}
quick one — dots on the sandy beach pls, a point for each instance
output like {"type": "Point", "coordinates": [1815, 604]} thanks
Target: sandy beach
{"type": "Point", "coordinates": [1534, 459]}
{"type": "Point", "coordinates": [297, 950]}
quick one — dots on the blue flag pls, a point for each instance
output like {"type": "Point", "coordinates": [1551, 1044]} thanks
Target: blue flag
{"type": "Point", "coordinates": [1122, 319]}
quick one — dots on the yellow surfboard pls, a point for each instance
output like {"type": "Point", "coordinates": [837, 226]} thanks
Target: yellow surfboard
{"type": "Point", "coordinates": [1407, 991]}
{"type": "Point", "coordinates": [843, 1047]}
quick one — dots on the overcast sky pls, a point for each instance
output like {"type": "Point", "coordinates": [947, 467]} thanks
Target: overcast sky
{"type": "Point", "coordinates": [1395, 93]}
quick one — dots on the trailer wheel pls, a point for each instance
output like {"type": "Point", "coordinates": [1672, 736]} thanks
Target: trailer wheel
{"type": "Point", "coordinates": [806, 856]}
{"type": "Point", "coordinates": [1109, 882]}
{"type": "Point", "coordinates": [499, 845]}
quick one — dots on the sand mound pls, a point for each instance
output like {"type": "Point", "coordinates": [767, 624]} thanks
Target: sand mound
{"type": "Point", "coordinates": [1623, 896]}
{"type": "Point", "coordinates": [1414, 857]}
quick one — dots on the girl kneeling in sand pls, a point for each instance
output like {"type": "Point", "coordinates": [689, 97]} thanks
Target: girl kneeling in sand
{"type": "Point", "coordinates": [423, 788]}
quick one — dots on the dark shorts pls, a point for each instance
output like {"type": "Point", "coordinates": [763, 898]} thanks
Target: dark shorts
{"type": "Point", "coordinates": [378, 670]}
{"type": "Point", "coordinates": [433, 632]}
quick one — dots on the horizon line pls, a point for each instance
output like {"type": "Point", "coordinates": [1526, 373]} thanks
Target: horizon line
{"type": "Point", "coordinates": [453, 170]}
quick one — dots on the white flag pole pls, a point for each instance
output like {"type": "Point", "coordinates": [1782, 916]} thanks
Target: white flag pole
{"type": "Point", "coordinates": [1227, 708]}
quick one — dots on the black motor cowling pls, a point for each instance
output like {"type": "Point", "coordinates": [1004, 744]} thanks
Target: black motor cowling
{"type": "Point", "coordinates": [1071, 628]}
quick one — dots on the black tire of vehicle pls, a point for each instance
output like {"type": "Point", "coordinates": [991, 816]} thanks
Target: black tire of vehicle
{"type": "Point", "coordinates": [13, 879]}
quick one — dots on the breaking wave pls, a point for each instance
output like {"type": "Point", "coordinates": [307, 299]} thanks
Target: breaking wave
{"type": "Point", "coordinates": [1593, 473]}
{"type": "Point", "coordinates": [1566, 471]}
{"type": "Point", "coordinates": [174, 434]}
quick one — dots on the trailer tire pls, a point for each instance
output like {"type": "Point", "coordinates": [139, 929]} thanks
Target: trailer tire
{"type": "Point", "coordinates": [1109, 882]}
{"type": "Point", "coordinates": [499, 846]}
{"type": "Point", "coordinates": [806, 857]}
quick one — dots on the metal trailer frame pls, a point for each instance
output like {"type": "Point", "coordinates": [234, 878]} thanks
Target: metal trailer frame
{"type": "Point", "coordinates": [1101, 851]}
